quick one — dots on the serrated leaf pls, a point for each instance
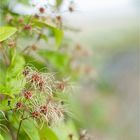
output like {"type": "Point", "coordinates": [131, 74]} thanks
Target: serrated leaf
{"type": "Point", "coordinates": [30, 129]}
{"type": "Point", "coordinates": [6, 32]}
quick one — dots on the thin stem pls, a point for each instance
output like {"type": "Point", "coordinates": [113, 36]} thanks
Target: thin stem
{"type": "Point", "coordinates": [22, 118]}
{"type": "Point", "coordinates": [19, 129]}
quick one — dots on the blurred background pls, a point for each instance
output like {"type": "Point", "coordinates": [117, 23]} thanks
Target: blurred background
{"type": "Point", "coordinates": [108, 98]}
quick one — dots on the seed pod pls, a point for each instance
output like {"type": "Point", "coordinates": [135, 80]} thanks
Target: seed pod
{"type": "Point", "coordinates": [19, 105]}
{"type": "Point", "coordinates": [36, 77]}
{"type": "Point", "coordinates": [61, 85]}
{"type": "Point", "coordinates": [20, 20]}
{"type": "Point", "coordinates": [62, 102]}
{"type": "Point", "coordinates": [34, 47]}
{"type": "Point", "coordinates": [44, 109]}
{"type": "Point", "coordinates": [71, 6]}
{"type": "Point", "coordinates": [35, 114]}
{"type": "Point", "coordinates": [27, 27]}
{"type": "Point", "coordinates": [26, 72]}
{"type": "Point", "coordinates": [71, 9]}
{"type": "Point", "coordinates": [59, 18]}
{"type": "Point", "coordinates": [41, 85]}
{"type": "Point", "coordinates": [28, 94]}
{"type": "Point", "coordinates": [42, 10]}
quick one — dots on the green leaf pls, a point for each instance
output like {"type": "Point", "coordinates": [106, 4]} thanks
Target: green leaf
{"type": "Point", "coordinates": [47, 133]}
{"type": "Point", "coordinates": [44, 37]}
{"type": "Point", "coordinates": [58, 33]}
{"type": "Point", "coordinates": [58, 3]}
{"type": "Point", "coordinates": [1, 137]}
{"type": "Point", "coordinates": [34, 61]}
{"type": "Point", "coordinates": [30, 129]}
{"type": "Point", "coordinates": [13, 80]}
{"type": "Point", "coordinates": [57, 59]}
{"type": "Point", "coordinates": [58, 36]}
{"type": "Point", "coordinates": [26, 2]}
{"type": "Point", "coordinates": [6, 32]}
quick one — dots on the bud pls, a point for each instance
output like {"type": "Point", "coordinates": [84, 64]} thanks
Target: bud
{"type": "Point", "coordinates": [58, 18]}
{"type": "Point", "coordinates": [41, 10]}
{"type": "Point", "coordinates": [20, 20]}
{"type": "Point", "coordinates": [27, 27]}
{"type": "Point", "coordinates": [71, 9]}
{"type": "Point", "coordinates": [34, 47]}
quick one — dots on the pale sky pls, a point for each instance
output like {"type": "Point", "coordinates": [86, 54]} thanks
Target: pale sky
{"type": "Point", "coordinates": [94, 6]}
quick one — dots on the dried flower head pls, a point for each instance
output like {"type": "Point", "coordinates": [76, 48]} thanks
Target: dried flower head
{"type": "Point", "coordinates": [27, 27]}
{"type": "Point", "coordinates": [71, 7]}
{"type": "Point", "coordinates": [28, 94]}
{"type": "Point", "coordinates": [55, 112]}
{"type": "Point", "coordinates": [26, 71]}
{"type": "Point", "coordinates": [43, 109]}
{"type": "Point", "coordinates": [40, 102]}
{"type": "Point", "coordinates": [19, 105]}
{"type": "Point", "coordinates": [35, 114]}
{"type": "Point", "coordinates": [42, 10]}
{"type": "Point", "coordinates": [20, 20]}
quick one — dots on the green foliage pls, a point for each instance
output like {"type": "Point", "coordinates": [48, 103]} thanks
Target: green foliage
{"type": "Point", "coordinates": [58, 33]}
{"type": "Point", "coordinates": [6, 32]}
{"type": "Point", "coordinates": [59, 3]}
{"type": "Point", "coordinates": [47, 133]}
{"type": "Point", "coordinates": [24, 1]}
{"type": "Point", "coordinates": [17, 52]}
{"type": "Point", "coordinates": [30, 129]}
{"type": "Point", "coordinates": [13, 80]}
{"type": "Point", "coordinates": [58, 60]}
{"type": "Point", "coordinates": [1, 137]}
{"type": "Point", "coordinates": [58, 36]}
